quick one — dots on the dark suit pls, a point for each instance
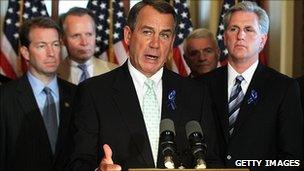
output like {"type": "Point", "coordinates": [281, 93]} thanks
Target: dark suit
{"type": "Point", "coordinates": [301, 84]}
{"type": "Point", "coordinates": [4, 79]}
{"type": "Point", "coordinates": [108, 112]}
{"type": "Point", "coordinates": [23, 137]}
{"type": "Point", "coordinates": [268, 126]}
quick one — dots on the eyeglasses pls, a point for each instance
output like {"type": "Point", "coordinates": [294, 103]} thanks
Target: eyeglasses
{"type": "Point", "coordinates": [198, 52]}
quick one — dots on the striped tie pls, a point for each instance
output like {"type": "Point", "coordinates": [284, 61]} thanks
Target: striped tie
{"type": "Point", "coordinates": [151, 114]}
{"type": "Point", "coordinates": [235, 101]}
{"type": "Point", "coordinates": [85, 74]}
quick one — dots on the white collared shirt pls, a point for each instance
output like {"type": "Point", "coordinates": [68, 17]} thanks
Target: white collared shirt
{"type": "Point", "coordinates": [76, 72]}
{"type": "Point", "coordinates": [247, 75]}
{"type": "Point", "coordinates": [139, 79]}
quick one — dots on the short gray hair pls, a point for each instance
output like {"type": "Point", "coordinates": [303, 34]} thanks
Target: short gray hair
{"type": "Point", "coordinates": [249, 6]}
{"type": "Point", "coordinates": [197, 34]}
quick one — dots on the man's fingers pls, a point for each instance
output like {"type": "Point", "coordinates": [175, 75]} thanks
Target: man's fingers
{"type": "Point", "coordinates": [110, 167]}
{"type": "Point", "coordinates": [107, 163]}
{"type": "Point", "coordinates": [107, 154]}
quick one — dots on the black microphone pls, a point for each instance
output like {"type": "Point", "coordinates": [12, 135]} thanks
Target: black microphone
{"type": "Point", "coordinates": [167, 142]}
{"type": "Point", "coordinates": [198, 147]}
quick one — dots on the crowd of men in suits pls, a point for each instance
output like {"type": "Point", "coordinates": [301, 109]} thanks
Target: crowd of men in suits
{"type": "Point", "coordinates": [110, 120]}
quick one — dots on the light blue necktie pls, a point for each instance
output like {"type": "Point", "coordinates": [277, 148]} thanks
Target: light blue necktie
{"type": "Point", "coordinates": [235, 101]}
{"type": "Point", "coordinates": [151, 114]}
{"type": "Point", "coordinates": [50, 118]}
{"type": "Point", "coordinates": [85, 74]}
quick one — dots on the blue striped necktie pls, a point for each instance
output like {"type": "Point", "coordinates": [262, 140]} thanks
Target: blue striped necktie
{"type": "Point", "coordinates": [235, 101]}
{"type": "Point", "coordinates": [85, 74]}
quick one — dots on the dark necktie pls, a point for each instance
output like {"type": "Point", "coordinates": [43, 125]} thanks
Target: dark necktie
{"type": "Point", "coordinates": [235, 101]}
{"type": "Point", "coordinates": [50, 118]}
{"type": "Point", "coordinates": [85, 74]}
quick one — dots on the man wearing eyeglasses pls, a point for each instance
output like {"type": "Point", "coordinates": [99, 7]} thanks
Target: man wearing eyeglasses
{"type": "Point", "coordinates": [201, 52]}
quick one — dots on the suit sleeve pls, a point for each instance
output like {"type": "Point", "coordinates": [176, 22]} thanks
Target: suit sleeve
{"type": "Point", "coordinates": [211, 136]}
{"type": "Point", "coordinates": [290, 125]}
{"type": "Point", "coordinates": [86, 131]}
{"type": "Point", "coordinates": [2, 132]}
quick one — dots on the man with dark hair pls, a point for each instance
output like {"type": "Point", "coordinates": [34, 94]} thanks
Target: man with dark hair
{"type": "Point", "coordinates": [4, 79]}
{"type": "Point", "coordinates": [258, 110]}
{"type": "Point", "coordinates": [35, 112]}
{"type": "Point", "coordinates": [119, 112]}
{"type": "Point", "coordinates": [79, 36]}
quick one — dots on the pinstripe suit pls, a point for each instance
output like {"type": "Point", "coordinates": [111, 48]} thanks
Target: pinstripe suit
{"type": "Point", "coordinates": [23, 137]}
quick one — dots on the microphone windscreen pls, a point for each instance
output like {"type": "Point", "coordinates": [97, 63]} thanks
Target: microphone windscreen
{"type": "Point", "coordinates": [193, 126]}
{"type": "Point", "coordinates": [166, 125]}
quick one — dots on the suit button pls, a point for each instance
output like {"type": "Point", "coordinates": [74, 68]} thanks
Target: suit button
{"type": "Point", "coordinates": [228, 157]}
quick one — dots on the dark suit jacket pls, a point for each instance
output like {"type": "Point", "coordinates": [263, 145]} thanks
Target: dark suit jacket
{"type": "Point", "coordinates": [4, 79]}
{"type": "Point", "coordinates": [23, 137]}
{"type": "Point", "coordinates": [301, 84]}
{"type": "Point", "coordinates": [268, 127]}
{"type": "Point", "coordinates": [108, 112]}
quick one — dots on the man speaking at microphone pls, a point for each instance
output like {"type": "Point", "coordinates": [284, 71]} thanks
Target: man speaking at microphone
{"type": "Point", "coordinates": [117, 115]}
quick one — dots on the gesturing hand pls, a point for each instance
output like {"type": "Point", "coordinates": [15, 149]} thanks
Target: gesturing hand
{"type": "Point", "coordinates": [107, 163]}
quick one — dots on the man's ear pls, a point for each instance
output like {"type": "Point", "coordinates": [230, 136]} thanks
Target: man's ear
{"type": "Point", "coordinates": [127, 35]}
{"type": "Point", "coordinates": [224, 39]}
{"type": "Point", "coordinates": [25, 53]}
{"type": "Point", "coordinates": [263, 41]}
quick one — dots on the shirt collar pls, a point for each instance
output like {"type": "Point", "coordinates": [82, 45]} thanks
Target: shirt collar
{"type": "Point", "coordinates": [38, 85]}
{"type": "Point", "coordinates": [75, 64]}
{"type": "Point", "coordinates": [247, 74]}
{"type": "Point", "coordinates": [140, 78]}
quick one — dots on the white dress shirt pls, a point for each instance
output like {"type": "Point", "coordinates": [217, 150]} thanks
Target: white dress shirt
{"type": "Point", "coordinates": [76, 72]}
{"type": "Point", "coordinates": [139, 79]}
{"type": "Point", "coordinates": [247, 75]}
{"type": "Point", "coordinates": [152, 120]}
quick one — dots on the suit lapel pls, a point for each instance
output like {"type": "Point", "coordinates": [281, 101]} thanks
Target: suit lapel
{"type": "Point", "coordinates": [127, 102]}
{"type": "Point", "coordinates": [96, 70]}
{"type": "Point", "coordinates": [64, 115]}
{"type": "Point", "coordinates": [247, 108]}
{"type": "Point", "coordinates": [220, 91]}
{"type": "Point", "coordinates": [170, 105]}
{"type": "Point", "coordinates": [32, 113]}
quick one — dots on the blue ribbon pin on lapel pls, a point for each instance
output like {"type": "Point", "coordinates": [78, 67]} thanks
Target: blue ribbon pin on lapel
{"type": "Point", "coordinates": [253, 97]}
{"type": "Point", "coordinates": [171, 99]}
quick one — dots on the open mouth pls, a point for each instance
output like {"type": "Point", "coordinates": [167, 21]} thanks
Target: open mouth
{"type": "Point", "coordinates": [152, 57]}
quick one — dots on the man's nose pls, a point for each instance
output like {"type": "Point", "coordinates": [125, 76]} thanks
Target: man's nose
{"type": "Point", "coordinates": [154, 43]}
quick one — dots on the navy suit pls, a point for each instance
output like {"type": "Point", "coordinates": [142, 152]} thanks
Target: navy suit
{"type": "Point", "coordinates": [23, 136]}
{"type": "Point", "coordinates": [108, 112]}
{"type": "Point", "coordinates": [268, 126]}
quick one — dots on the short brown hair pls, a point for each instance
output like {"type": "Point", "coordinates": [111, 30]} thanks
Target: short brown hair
{"type": "Point", "coordinates": [37, 22]}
